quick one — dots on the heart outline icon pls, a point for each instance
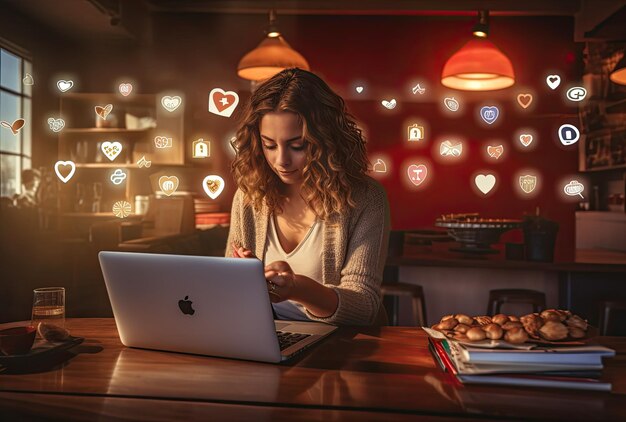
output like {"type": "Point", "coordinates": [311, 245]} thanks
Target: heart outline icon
{"type": "Point", "coordinates": [359, 89]}
{"type": "Point", "coordinates": [524, 100]}
{"type": "Point", "coordinates": [389, 105]}
{"type": "Point", "coordinates": [213, 185]}
{"type": "Point", "coordinates": [485, 182]}
{"type": "Point", "coordinates": [28, 79]}
{"type": "Point", "coordinates": [171, 103]}
{"type": "Point", "coordinates": [553, 81]}
{"type": "Point", "coordinates": [58, 164]}
{"type": "Point", "coordinates": [489, 114]}
{"type": "Point", "coordinates": [451, 103]}
{"type": "Point", "coordinates": [64, 85]}
{"type": "Point", "coordinates": [526, 139]}
{"type": "Point", "coordinates": [168, 184]}
{"type": "Point", "coordinates": [125, 89]}
{"type": "Point", "coordinates": [111, 149]}
{"type": "Point", "coordinates": [495, 151]}
{"type": "Point", "coordinates": [414, 170]}
{"type": "Point", "coordinates": [103, 112]}
{"type": "Point", "coordinates": [56, 125]}
{"type": "Point", "coordinates": [15, 127]}
{"type": "Point", "coordinates": [222, 103]}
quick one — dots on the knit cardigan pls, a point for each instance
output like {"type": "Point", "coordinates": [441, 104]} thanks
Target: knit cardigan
{"type": "Point", "coordinates": [354, 250]}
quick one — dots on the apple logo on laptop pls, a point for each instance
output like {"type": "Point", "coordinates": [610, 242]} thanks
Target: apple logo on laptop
{"type": "Point", "coordinates": [185, 306]}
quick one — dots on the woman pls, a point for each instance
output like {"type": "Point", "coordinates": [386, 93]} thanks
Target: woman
{"type": "Point", "coordinates": [305, 205]}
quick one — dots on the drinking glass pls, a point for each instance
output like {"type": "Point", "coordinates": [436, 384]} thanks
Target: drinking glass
{"type": "Point", "coordinates": [49, 306]}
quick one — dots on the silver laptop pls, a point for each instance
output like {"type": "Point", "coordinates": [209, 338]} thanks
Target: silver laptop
{"type": "Point", "coordinates": [204, 305]}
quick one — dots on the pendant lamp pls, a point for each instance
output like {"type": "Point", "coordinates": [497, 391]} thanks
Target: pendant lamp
{"type": "Point", "coordinates": [618, 75]}
{"type": "Point", "coordinates": [479, 65]}
{"type": "Point", "coordinates": [271, 56]}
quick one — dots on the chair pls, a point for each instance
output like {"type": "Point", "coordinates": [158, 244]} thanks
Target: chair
{"type": "Point", "coordinates": [609, 310]}
{"type": "Point", "coordinates": [498, 297]}
{"type": "Point", "coordinates": [392, 289]}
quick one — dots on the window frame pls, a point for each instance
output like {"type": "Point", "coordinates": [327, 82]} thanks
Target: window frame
{"type": "Point", "coordinates": [25, 57]}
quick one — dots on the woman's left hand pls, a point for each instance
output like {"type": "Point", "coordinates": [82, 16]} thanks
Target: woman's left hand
{"type": "Point", "coordinates": [281, 281]}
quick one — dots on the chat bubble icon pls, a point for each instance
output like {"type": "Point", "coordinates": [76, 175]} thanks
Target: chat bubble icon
{"type": "Point", "coordinates": [574, 188]}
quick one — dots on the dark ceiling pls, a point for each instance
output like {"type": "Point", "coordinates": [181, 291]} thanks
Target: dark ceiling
{"type": "Point", "coordinates": [121, 19]}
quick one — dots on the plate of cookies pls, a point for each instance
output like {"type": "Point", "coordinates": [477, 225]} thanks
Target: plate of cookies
{"type": "Point", "coordinates": [552, 327]}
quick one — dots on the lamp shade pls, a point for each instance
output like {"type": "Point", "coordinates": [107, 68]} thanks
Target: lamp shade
{"type": "Point", "coordinates": [271, 56]}
{"type": "Point", "coordinates": [478, 66]}
{"type": "Point", "coordinates": [618, 75]}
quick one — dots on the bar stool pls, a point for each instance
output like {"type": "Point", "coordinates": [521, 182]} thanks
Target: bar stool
{"type": "Point", "coordinates": [498, 297]}
{"type": "Point", "coordinates": [415, 292]}
{"type": "Point", "coordinates": [609, 309]}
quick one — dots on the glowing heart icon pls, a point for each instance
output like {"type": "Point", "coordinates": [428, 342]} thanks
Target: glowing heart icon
{"type": "Point", "coordinates": [489, 114]}
{"type": "Point", "coordinates": [171, 103]}
{"type": "Point", "coordinates": [451, 103]}
{"type": "Point", "coordinates": [417, 173]}
{"type": "Point", "coordinates": [526, 139]}
{"type": "Point", "coordinates": [56, 124]}
{"type": "Point", "coordinates": [553, 81]}
{"type": "Point", "coordinates": [168, 184]}
{"type": "Point", "coordinates": [125, 89]}
{"type": "Point", "coordinates": [68, 174]}
{"type": "Point", "coordinates": [485, 182]}
{"type": "Point", "coordinates": [103, 112]}
{"type": "Point", "coordinates": [15, 127]}
{"type": "Point", "coordinates": [222, 103]}
{"type": "Point", "coordinates": [64, 85]}
{"type": "Point", "coordinates": [28, 79]}
{"type": "Point", "coordinates": [390, 105]}
{"type": "Point", "coordinates": [495, 152]}
{"type": "Point", "coordinates": [524, 100]}
{"type": "Point", "coordinates": [359, 89]}
{"type": "Point", "coordinates": [213, 185]}
{"type": "Point", "coordinates": [111, 149]}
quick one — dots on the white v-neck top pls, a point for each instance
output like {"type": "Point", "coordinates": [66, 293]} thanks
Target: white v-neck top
{"type": "Point", "coordinates": [305, 259]}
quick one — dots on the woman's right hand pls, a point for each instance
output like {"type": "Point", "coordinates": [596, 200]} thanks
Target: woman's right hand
{"type": "Point", "coordinates": [241, 252]}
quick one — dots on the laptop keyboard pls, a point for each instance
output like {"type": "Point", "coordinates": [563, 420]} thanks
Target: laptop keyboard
{"type": "Point", "coordinates": [287, 339]}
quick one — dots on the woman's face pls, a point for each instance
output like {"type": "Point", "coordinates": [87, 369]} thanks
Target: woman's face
{"type": "Point", "coordinates": [283, 146]}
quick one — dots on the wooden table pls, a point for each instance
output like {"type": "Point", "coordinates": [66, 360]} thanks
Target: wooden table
{"type": "Point", "coordinates": [356, 374]}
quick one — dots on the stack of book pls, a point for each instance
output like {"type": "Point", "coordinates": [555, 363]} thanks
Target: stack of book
{"type": "Point", "coordinates": [576, 367]}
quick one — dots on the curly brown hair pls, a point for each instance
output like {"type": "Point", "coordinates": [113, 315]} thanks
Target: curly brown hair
{"type": "Point", "coordinates": [335, 149]}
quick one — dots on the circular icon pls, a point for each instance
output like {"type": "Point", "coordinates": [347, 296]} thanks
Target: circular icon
{"type": "Point", "coordinates": [568, 134]}
{"type": "Point", "coordinates": [451, 103]}
{"type": "Point", "coordinates": [121, 209]}
{"type": "Point", "coordinates": [577, 93]}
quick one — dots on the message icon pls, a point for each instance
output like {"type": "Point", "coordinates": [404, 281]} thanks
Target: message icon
{"type": "Point", "coordinates": [222, 103]}
{"type": "Point", "coordinates": [489, 114]}
{"type": "Point", "coordinates": [168, 184]}
{"type": "Point", "coordinates": [111, 149]}
{"type": "Point", "coordinates": [213, 185]}
{"type": "Point", "coordinates": [451, 103]}
{"type": "Point", "coordinates": [389, 105]}
{"type": "Point", "coordinates": [171, 103]}
{"type": "Point", "coordinates": [64, 85]}
{"type": "Point", "coordinates": [65, 170]}
{"type": "Point", "coordinates": [574, 188]}
{"type": "Point", "coordinates": [568, 134]}
{"type": "Point", "coordinates": [417, 173]}
{"type": "Point", "coordinates": [485, 182]}
{"type": "Point", "coordinates": [577, 93]}
{"type": "Point", "coordinates": [121, 209]}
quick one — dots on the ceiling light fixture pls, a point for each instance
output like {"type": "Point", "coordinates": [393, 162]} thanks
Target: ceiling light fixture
{"type": "Point", "coordinates": [271, 56]}
{"type": "Point", "coordinates": [618, 75]}
{"type": "Point", "coordinates": [479, 65]}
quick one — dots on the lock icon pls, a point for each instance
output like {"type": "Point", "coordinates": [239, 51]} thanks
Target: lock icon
{"type": "Point", "coordinates": [416, 133]}
{"type": "Point", "coordinates": [201, 148]}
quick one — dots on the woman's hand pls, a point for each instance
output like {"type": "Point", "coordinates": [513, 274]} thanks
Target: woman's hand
{"type": "Point", "coordinates": [281, 281]}
{"type": "Point", "coordinates": [241, 252]}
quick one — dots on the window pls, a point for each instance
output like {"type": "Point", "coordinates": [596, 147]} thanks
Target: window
{"type": "Point", "coordinates": [15, 103]}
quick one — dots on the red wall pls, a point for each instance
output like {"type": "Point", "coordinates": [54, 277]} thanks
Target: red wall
{"type": "Point", "coordinates": [195, 53]}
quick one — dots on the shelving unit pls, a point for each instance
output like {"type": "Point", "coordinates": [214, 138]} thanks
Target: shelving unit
{"type": "Point", "coordinates": [80, 141]}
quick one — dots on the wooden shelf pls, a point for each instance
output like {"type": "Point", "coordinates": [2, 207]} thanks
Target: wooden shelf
{"type": "Point", "coordinates": [604, 168]}
{"type": "Point", "coordinates": [105, 165]}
